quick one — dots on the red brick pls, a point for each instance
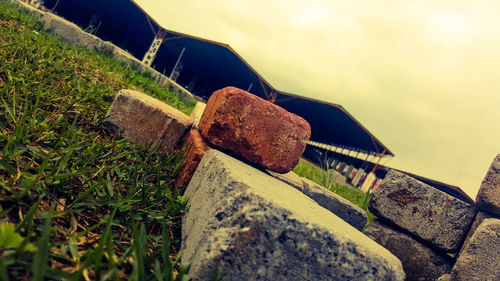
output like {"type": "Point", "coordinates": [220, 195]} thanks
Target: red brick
{"type": "Point", "coordinates": [254, 129]}
{"type": "Point", "coordinates": [146, 120]}
{"type": "Point", "coordinates": [196, 148]}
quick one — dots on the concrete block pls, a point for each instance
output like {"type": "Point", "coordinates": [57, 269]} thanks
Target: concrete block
{"type": "Point", "coordinates": [420, 263]}
{"type": "Point", "coordinates": [480, 258]}
{"type": "Point", "coordinates": [32, 10]}
{"type": "Point", "coordinates": [70, 32]}
{"type": "Point", "coordinates": [146, 120]}
{"type": "Point", "coordinates": [480, 217]}
{"type": "Point", "coordinates": [337, 177]}
{"type": "Point", "coordinates": [446, 277]}
{"type": "Point", "coordinates": [198, 112]}
{"type": "Point", "coordinates": [256, 227]}
{"type": "Point", "coordinates": [431, 215]}
{"type": "Point", "coordinates": [488, 196]}
{"type": "Point", "coordinates": [343, 208]}
{"type": "Point", "coordinates": [290, 178]}
{"type": "Point", "coordinates": [254, 129]}
{"type": "Point", "coordinates": [183, 94]}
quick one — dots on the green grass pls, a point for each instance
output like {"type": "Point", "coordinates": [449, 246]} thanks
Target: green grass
{"type": "Point", "coordinates": [76, 202]}
{"type": "Point", "coordinates": [324, 178]}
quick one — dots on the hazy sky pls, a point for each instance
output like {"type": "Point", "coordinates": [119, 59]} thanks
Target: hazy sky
{"type": "Point", "coordinates": [422, 76]}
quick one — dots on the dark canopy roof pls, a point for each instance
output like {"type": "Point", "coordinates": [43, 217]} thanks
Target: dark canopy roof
{"type": "Point", "coordinates": [332, 124]}
{"type": "Point", "coordinates": [207, 66]}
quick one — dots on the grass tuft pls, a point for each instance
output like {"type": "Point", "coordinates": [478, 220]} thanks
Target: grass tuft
{"type": "Point", "coordinates": [324, 178]}
{"type": "Point", "coordinates": [81, 203]}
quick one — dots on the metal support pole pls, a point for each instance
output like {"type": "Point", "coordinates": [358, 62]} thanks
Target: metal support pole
{"type": "Point", "coordinates": [153, 49]}
{"type": "Point", "coordinates": [365, 162]}
{"type": "Point", "coordinates": [268, 97]}
{"type": "Point", "coordinates": [378, 161]}
{"type": "Point", "coordinates": [274, 96]}
{"type": "Point", "coordinates": [177, 63]}
{"type": "Point", "coordinates": [55, 6]}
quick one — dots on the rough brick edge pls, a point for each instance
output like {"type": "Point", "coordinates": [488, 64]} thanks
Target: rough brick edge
{"type": "Point", "coordinates": [194, 149]}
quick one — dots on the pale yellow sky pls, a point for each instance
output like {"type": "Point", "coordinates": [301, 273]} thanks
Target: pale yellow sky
{"type": "Point", "coordinates": [422, 76]}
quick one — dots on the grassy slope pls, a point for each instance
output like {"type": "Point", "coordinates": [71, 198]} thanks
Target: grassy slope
{"type": "Point", "coordinates": [321, 177]}
{"type": "Point", "coordinates": [75, 202]}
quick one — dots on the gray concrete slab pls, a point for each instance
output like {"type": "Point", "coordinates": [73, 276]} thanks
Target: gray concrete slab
{"type": "Point", "coordinates": [420, 262]}
{"type": "Point", "coordinates": [256, 227]}
{"type": "Point", "coordinates": [480, 258]}
{"type": "Point", "coordinates": [343, 208]}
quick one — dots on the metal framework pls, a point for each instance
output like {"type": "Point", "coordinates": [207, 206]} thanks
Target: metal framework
{"type": "Point", "coordinates": [155, 46]}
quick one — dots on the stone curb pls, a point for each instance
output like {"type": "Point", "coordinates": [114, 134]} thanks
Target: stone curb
{"type": "Point", "coordinates": [343, 208]}
{"type": "Point", "coordinates": [255, 227]}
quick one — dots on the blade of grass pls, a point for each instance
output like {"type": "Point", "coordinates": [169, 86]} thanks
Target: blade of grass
{"type": "Point", "coordinates": [103, 241]}
{"type": "Point", "coordinates": [28, 217]}
{"type": "Point", "coordinates": [41, 257]}
{"type": "Point", "coordinates": [139, 250]}
{"type": "Point", "coordinates": [158, 271]}
{"type": "Point", "coordinates": [6, 166]}
{"type": "Point", "coordinates": [3, 272]}
{"type": "Point", "coordinates": [168, 267]}
{"type": "Point", "coordinates": [65, 159]}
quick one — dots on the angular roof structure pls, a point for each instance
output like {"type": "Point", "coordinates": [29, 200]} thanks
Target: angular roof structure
{"type": "Point", "coordinates": [331, 124]}
{"type": "Point", "coordinates": [206, 66]}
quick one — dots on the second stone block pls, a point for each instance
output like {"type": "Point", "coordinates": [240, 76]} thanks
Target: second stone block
{"type": "Point", "coordinates": [434, 216]}
{"type": "Point", "coordinates": [145, 120]}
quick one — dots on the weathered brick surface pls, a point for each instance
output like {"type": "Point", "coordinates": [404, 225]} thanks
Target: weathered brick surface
{"type": "Point", "coordinates": [480, 258]}
{"type": "Point", "coordinates": [254, 129]}
{"type": "Point", "coordinates": [422, 210]}
{"type": "Point", "coordinates": [195, 149]}
{"type": "Point", "coordinates": [255, 227]}
{"type": "Point", "coordinates": [146, 120]}
{"type": "Point", "coordinates": [420, 263]}
{"type": "Point", "coordinates": [488, 196]}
